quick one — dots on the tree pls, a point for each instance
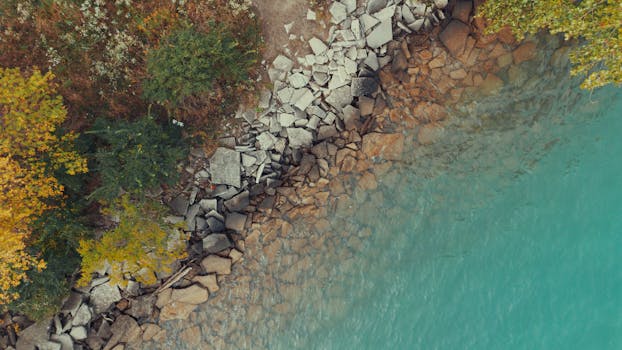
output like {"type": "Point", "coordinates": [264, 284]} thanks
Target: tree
{"type": "Point", "coordinates": [138, 247]}
{"type": "Point", "coordinates": [135, 156]}
{"type": "Point", "coordinates": [597, 24]}
{"type": "Point", "coordinates": [31, 148]}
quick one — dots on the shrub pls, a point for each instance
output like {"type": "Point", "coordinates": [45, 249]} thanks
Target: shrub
{"type": "Point", "coordinates": [598, 24]}
{"type": "Point", "coordinates": [135, 156]}
{"type": "Point", "coordinates": [31, 148]}
{"type": "Point", "coordinates": [141, 244]}
{"type": "Point", "coordinates": [189, 62]}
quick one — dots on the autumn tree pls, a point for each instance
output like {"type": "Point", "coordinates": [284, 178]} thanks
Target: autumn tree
{"type": "Point", "coordinates": [141, 244]}
{"type": "Point", "coordinates": [597, 24]}
{"type": "Point", "coordinates": [31, 149]}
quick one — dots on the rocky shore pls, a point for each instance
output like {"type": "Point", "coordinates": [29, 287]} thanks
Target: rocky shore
{"type": "Point", "coordinates": [334, 123]}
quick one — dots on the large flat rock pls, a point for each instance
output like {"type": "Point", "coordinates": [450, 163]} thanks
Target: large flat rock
{"type": "Point", "coordinates": [454, 37]}
{"type": "Point", "coordinates": [381, 35]}
{"type": "Point", "coordinates": [385, 146]}
{"type": "Point", "coordinates": [225, 167]}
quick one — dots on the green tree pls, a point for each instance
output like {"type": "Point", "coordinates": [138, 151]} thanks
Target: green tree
{"type": "Point", "coordinates": [135, 156]}
{"type": "Point", "coordinates": [190, 62]}
{"type": "Point", "coordinates": [597, 24]}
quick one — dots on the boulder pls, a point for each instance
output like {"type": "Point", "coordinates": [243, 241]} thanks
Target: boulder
{"type": "Point", "coordinates": [317, 46]}
{"type": "Point", "coordinates": [374, 6]}
{"type": "Point", "coordinates": [238, 202]}
{"type": "Point", "coordinates": [215, 243]}
{"type": "Point", "coordinates": [190, 295]}
{"type": "Point", "coordinates": [83, 316]}
{"type": "Point", "coordinates": [78, 333]}
{"type": "Point", "coordinates": [216, 264]}
{"type": "Point", "coordinates": [338, 11]}
{"type": "Point", "coordinates": [225, 167]}
{"type": "Point", "coordinates": [125, 329]}
{"type": "Point", "coordinates": [381, 35]}
{"type": "Point", "coordinates": [299, 137]}
{"type": "Point", "coordinates": [149, 331]}
{"type": "Point", "coordinates": [34, 335]}
{"type": "Point", "coordinates": [176, 311]}
{"type": "Point", "coordinates": [103, 296]}
{"type": "Point", "coordinates": [208, 281]}
{"type": "Point", "coordinates": [71, 305]}
{"type": "Point", "coordinates": [363, 86]}
{"type": "Point", "coordinates": [235, 221]}
{"type": "Point", "coordinates": [386, 146]}
{"type": "Point", "coordinates": [142, 306]}
{"type": "Point", "coordinates": [454, 37]}
{"type": "Point", "coordinates": [462, 10]}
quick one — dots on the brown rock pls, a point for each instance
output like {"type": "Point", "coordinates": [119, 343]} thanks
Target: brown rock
{"type": "Point", "coordinates": [491, 84]}
{"type": "Point", "coordinates": [458, 74]}
{"type": "Point", "coordinates": [429, 134]}
{"type": "Point", "coordinates": [504, 60]}
{"type": "Point", "coordinates": [387, 146]}
{"type": "Point", "coordinates": [191, 336]}
{"type": "Point", "coordinates": [437, 62]}
{"type": "Point", "coordinates": [125, 329]}
{"type": "Point", "coordinates": [208, 281]}
{"type": "Point", "coordinates": [235, 255]}
{"type": "Point", "coordinates": [217, 264]}
{"type": "Point", "coordinates": [524, 52]}
{"type": "Point", "coordinates": [150, 330]}
{"type": "Point", "coordinates": [506, 36]}
{"type": "Point", "coordinates": [190, 295]}
{"type": "Point", "coordinates": [164, 297]}
{"type": "Point", "coordinates": [462, 10]}
{"type": "Point", "coordinates": [368, 181]}
{"type": "Point", "coordinates": [454, 37]}
{"type": "Point", "coordinates": [176, 311]}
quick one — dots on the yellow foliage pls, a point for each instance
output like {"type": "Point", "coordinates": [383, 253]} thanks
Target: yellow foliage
{"type": "Point", "coordinates": [596, 23]}
{"type": "Point", "coordinates": [30, 115]}
{"type": "Point", "coordinates": [137, 248]}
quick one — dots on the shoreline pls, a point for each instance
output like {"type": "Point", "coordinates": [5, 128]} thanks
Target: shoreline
{"type": "Point", "coordinates": [318, 178]}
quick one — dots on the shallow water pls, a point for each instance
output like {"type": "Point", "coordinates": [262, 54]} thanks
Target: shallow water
{"type": "Point", "coordinates": [504, 234]}
{"type": "Point", "coordinates": [519, 250]}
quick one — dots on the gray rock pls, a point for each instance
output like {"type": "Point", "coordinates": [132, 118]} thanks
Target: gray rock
{"type": "Point", "coordinates": [366, 105]}
{"type": "Point", "coordinates": [180, 205]}
{"type": "Point", "coordinates": [368, 22]}
{"type": "Point", "coordinates": [363, 86]}
{"type": "Point", "coordinates": [299, 137]}
{"type": "Point", "coordinates": [266, 141]}
{"type": "Point", "coordinates": [238, 202]}
{"type": "Point", "coordinates": [338, 11]}
{"type": "Point", "coordinates": [350, 5]}
{"type": "Point", "coordinates": [125, 329]}
{"type": "Point", "coordinates": [386, 13]}
{"type": "Point", "coordinates": [298, 80]}
{"type": "Point", "coordinates": [265, 99]}
{"type": "Point", "coordinates": [64, 339]}
{"type": "Point", "coordinates": [286, 119]}
{"type": "Point", "coordinates": [215, 243]}
{"type": "Point", "coordinates": [327, 131]}
{"type": "Point", "coordinates": [375, 5]}
{"type": "Point", "coordinates": [103, 296]}
{"type": "Point", "coordinates": [225, 167]}
{"type": "Point", "coordinates": [33, 335]}
{"type": "Point", "coordinates": [235, 221]}
{"type": "Point", "coordinates": [82, 317]}
{"type": "Point", "coordinates": [72, 303]}
{"type": "Point", "coordinates": [78, 333]}
{"type": "Point", "coordinates": [283, 63]}
{"type": "Point", "coordinates": [381, 35]}
{"type": "Point", "coordinates": [351, 117]}
{"type": "Point", "coordinates": [48, 345]}
{"type": "Point", "coordinates": [215, 225]}
{"type": "Point", "coordinates": [192, 213]}
{"type": "Point", "coordinates": [209, 204]}
{"type": "Point", "coordinates": [303, 98]}
{"type": "Point", "coordinates": [340, 97]}
{"type": "Point", "coordinates": [142, 306]}
{"type": "Point", "coordinates": [417, 24]}
{"type": "Point", "coordinates": [318, 46]}
{"type": "Point", "coordinates": [371, 61]}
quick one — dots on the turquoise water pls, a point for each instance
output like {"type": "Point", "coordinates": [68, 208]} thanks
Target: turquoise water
{"type": "Point", "coordinates": [509, 238]}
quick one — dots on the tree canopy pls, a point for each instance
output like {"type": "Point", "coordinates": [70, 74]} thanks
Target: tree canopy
{"type": "Point", "coordinates": [597, 24]}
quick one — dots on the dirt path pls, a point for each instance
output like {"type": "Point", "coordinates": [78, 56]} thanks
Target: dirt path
{"type": "Point", "coordinates": [274, 15]}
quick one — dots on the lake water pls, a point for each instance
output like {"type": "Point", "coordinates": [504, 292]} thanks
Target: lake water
{"type": "Point", "coordinates": [505, 238]}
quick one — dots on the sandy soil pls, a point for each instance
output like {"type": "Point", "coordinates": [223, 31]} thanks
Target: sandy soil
{"type": "Point", "coordinates": [275, 14]}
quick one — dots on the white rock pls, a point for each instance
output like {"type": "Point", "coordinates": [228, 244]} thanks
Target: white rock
{"type": "Point", "coordinates": [299, 137]}
{"type": "Point", "coordinates": [283, 63]}
{"type": "Point", "coordinates": [386, 13]}
{"type": "Point", "coordinates": [317, 46]}
{"type": "Point", "coordinates": [82, 317]}
{"type": "Point", "coordinates": [311, 16]}
{"type": "Point", "coordinates": [288, 27]}
{"type": "Point", "coordinates": [78, 333]}
{"type": "Point", "coordinates": [338, 12]}
{"type": "Point", "coordinates": [298, 80]}
{"type": "Point", "coordinates": [266, 141]}
{"type": "Point", "coordinates": [441, 4]}
{"type": "Point", "coordinates": [372, 61]}
{"type": "Point", "coordinates": [303, 98]}
{"type": "Point", "coordinates": [368, 22]}
{"type": "Point", "coordinates": [350, 66]}
{"type": "Point", "coordinates": [355, 27]}
{"type": "Point", "coordinates": [376, 5]}
{"type": "Point", "coordinates": [381, 35]}
{"type": "Point", "coordinates": [417, 24]}
{"type": "Point", "coordinates": [350, 5]}
{"type": "Point", "coordinates": [286, 120]}
{"type": "Point", "coordinates": [407, 15]}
